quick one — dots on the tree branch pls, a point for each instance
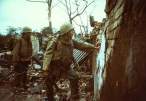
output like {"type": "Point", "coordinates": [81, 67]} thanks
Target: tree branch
{"type": "Point", "coordinates": [50, 3]}
{"type": "Point", "coordinates": [62, 2]}
{"type": "Point", "coordinates": [37, 1]}
{"type": "Point", "coordinates": [79, 13]}
{"type": "Point", "coordinates": [70, 7]}
{"type": "Point", "coordinates": [77, 7]}
{"type": "Point", "coordinates": [66, 5]}
{"type": "Point", "coordinates": [78, 25]}
{"type": "Point", "coordinates": [55, 5]}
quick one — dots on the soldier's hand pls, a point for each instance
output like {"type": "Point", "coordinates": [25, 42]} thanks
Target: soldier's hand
{"type": "Point", "coordinates": [97, 47]}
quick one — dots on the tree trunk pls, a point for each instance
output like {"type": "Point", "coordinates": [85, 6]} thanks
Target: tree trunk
{"type": "Point", "coordinates": [49, 14]}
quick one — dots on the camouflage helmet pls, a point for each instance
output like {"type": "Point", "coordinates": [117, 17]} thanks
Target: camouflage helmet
{"type": "Point", "coordinates": [26, 30]}
{"type": "Point", "coordinates": [66, 28]}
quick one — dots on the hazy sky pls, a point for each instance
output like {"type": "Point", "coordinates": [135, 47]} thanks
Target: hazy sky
{"type": "Point", "coordinates": [19, 13]}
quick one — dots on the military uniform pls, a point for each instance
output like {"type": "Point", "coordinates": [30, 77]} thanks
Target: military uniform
{"type": "Point", "coordinates": [22, 53]}
{"type": "Point", "coordinates": [57, 62]}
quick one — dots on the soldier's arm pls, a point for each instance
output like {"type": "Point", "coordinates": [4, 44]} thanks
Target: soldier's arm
{"type": "Point", "coordinates": [16, 51]}
{"type": "Point", "coordinates": [81, 45]}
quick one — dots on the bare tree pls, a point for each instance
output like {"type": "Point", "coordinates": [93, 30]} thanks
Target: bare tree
{"type": "Point", "coordinates": [75, 8]}
{"type": "Point", "coordinates": [49, 4]}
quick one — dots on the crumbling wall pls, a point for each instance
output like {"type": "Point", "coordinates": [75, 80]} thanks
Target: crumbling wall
{"type": "Point", "coordinates": [126, 51]}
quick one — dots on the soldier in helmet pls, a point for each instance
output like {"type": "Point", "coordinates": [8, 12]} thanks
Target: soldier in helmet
{"type": "Point", "coordinates": [21, 59]}
{"type": "Point", "coordinates": [59, 57]}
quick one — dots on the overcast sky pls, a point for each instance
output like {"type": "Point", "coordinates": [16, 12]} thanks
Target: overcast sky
{"type": "Point", "coordinates": [19, 13]}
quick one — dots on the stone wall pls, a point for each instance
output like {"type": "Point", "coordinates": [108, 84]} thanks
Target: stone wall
{"type": "Point", "coordinates": [126, 51]}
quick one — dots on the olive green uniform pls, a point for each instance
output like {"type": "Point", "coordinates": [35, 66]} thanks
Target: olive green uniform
{"type": "Point", "coordinates": [57, 60]}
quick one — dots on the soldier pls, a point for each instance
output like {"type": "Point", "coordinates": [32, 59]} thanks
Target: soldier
{"type": "Point", "coordinates": [59, 57]}
{"type": "Point", "coordinates": [21, 59]}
